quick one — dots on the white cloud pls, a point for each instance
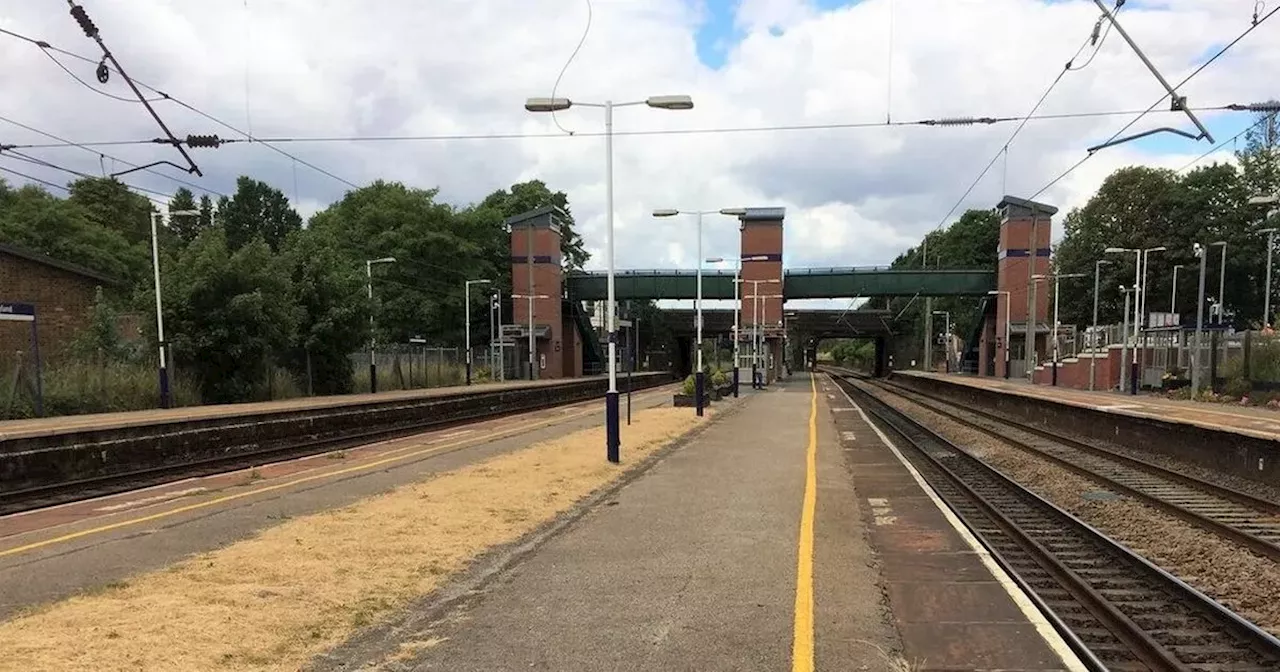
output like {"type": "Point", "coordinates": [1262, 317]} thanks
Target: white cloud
{"type": "Point", "coordinates": [855, 197]}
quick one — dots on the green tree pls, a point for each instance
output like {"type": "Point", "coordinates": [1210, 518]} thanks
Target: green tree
{"type": "Point", "coordinates": [328, 289]}
{"type": "Point", "coordinates": [108, 203]}
{"type": "Point", "coordinates": [1260, 157]}
{"type": "Point", "coordinates": [257, 209]}
{"type": "Point", "coordinates": [185, 227]}
{"type": "Point", "coordinates": [60, 228]}
{"type": "Point", "coordinates": [534, 194]}
{"type": "Point", "coordinates": [226, 315]}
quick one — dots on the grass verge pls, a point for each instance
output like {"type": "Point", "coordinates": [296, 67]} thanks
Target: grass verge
{"type": "Point", "coordinates": [274, 601]}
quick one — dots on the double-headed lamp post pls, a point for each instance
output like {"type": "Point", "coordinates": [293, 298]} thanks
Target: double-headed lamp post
{"type": "Point", "coordinates": [373, 364]}
{"type": "Point", "coordinates": [165, 397]}
{"type": "Point", "coordinates": [1146, 264]}
{"type": "Point", "coordinates": [698, 377]}
{"type": "Point", "coordinates": [466, 297]}
{"type": "Point", "coordinates": [737, 305]}
{"type": "Point", "coordinates": [1137, 322]}
{"type": "Point", "coordinates": [612, 424]}
{"type": "Point", "coordinates": [1093, 359]}
{"type": "Point", "coordinates": [1007, 324]}
{"type": "Point", "coordinates": [1271, 200]}
{"type": "Point", "coordinates": [946, 340]}
{"type": "Point", "coordinates": [1056, 324]}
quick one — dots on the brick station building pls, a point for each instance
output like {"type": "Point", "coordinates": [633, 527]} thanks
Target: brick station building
{"type": "Point", "coordinates": [62, 293]}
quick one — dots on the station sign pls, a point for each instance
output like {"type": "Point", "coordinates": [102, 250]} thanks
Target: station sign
{"type": "Point", "coordinates": [17, 312]}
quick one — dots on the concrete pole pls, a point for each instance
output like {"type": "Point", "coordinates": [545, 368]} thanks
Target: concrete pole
{"type": "Point", "coordinates": [1203, 253]}
{"type": "Point", "coordinates": [737, 304]}
{"type": "Point", "coordinates": [373, 366]}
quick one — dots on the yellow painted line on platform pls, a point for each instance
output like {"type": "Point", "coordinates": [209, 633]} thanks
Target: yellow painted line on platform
{"type": "Point", "coordinates": [447, 447]}
{"type": "Point", "coordinates": [802, 639]}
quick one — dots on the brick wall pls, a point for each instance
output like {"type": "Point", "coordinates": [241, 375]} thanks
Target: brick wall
{"type": "Point", "coordinates": [62, 299]}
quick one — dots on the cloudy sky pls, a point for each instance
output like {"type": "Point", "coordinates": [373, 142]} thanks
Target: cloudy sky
{"type": "Point", "coordinates": [854, 196]}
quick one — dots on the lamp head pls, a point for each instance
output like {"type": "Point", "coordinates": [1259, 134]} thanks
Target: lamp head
{"type": "Point", "coordinates": [733, 212]}
{"type": "Point", "coordinates": [547, 104]}
{"type": "Point", "coordinates": [669, 102]}
{"type": "Point", "coordinates": [665, 212]}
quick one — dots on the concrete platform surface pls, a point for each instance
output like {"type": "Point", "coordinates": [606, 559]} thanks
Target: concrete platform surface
{"type": "Point", "coordinates": [13, 429]}
{"type": "Point", "coordinates": [1253, 421]}
{"type": "Point", "coordinates": [953, 606]}
{"type": "Point", "coordinates": [702, 563]}
{"type": "Point", "coordinates": [693, 566]}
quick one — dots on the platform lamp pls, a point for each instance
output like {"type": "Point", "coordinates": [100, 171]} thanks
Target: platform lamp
{"type": "Point", "coordinates": [737, 306]}
{"type": "Point", "coordinates": [466, 298]}
{"type": "Point", "coordinates": [699, 384]}
{"type": "Point", "coordinates": [1056, 326]}
{"type": "Point", "coordinates": [1008, 305]}
{"type": "Point", "coordinates": [1271, 200]}
{"type": "Point", "coordinates": [166, 399]}
{"type": "Point", "coordinates": [612, 424]}
{"type": "Point", "coordinates": [1093, 360]}
{"type": "Point", "coordinates": [373, 364]}
{"type": "Point", "coordinates": [532, 347]}
{"type": "Point", "coordinates": [1137, 284]}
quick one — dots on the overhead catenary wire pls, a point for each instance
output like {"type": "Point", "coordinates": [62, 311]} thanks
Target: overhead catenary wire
{"type": "Point", "coordinates": [69, 143]}
{"type": "Point", "coordinates": [1004, 149]}
{"type": "Point", "coordinates": [176, 101]}
{"type": "Point", "coordinates": [554, 87]}
{"type": "Point", "coordinates": [41, 162]}
{"type": "Point", "coordinates": [952, 121]}
{"type": "Point", "coordinates": [35, 179]}
{"type": "Point", "coordinates": [1163, 96]}
{"type": "Point", "coordinates": [1222, 144]}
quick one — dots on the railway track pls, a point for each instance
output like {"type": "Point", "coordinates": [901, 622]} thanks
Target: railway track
{"type": "Point", "coordinates": [1246, 519]}
{"type": "Point", "coordinates": [487, 406]}
{"type": "Point", "coordinates": [1115, 608]}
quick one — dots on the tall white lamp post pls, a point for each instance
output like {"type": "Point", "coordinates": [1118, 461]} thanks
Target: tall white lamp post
{"type": "Point", "coordinates": [612, 423]}
{"type": "Point", "coordinates": [166, 399]}
{"type": "Point", "coordinates": [373, 364]}
{"type": "Point", "coordinates": [737, 305]}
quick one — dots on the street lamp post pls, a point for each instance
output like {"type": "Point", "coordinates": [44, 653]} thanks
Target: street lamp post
{"type": "Point", "coordinates": [1146, 263]}
{"type": "Point", "coordinates": [1057, 277]}
{"type": "Point", "coordinates": [737, 305]}
{"type": "Point", "coordinates": [1222, 279]}
{"type": "Point", "coordinates": [1093, 360]}
{"type": "Point", "coordinates": [1127, 291]}
{"type": "Point", "coordinates": [1271, 239]}
{"type": "Point", "coordinates": [699, 384]}
{"type": "Point", "coordinates": [1137, 282]}
{"type": "Point", "coordinates": [612, 424]}
{"type": "Point", "coordinates": [373, 364]}
{"type": "Point", "coordinates": [166, 399]}
{"type": "Point", "coordinates": [1203, 253]}
{"type": "Point", "coordinates": [466, 297]}
{"type": "Point", "coordinates": [533, 364]}
{"type": "Point", "coordinates": [1173, 296]}
{"type": "Point", "coordinates": [1008, 305]}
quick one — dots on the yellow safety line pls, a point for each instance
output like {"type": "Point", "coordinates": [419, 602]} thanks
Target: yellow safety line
{"type": "Point", "coordinates": [802, 641]}
{"type": "Point", "coordinates": [297, 481]}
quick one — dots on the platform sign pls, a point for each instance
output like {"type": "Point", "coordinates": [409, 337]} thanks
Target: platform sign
{"type": "Point", "coordinates": [25, 312]}
{"type": "Point", "coordinates": [1158, 320]}
{"type": "Point", "coordinates": [18, 312]}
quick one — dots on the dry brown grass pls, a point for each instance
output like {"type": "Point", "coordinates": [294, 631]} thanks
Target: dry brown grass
{"type": "Point", "coordinates": [274, 601]}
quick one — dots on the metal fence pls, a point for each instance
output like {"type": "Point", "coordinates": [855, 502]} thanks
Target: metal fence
{"type": "Point", "coordinates": [409, 367]}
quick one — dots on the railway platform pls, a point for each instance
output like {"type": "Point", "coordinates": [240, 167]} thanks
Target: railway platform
{"type": "Point", "coordinates": [1250, 421]}
{"type": "Point", "coordinates": [788, 536]}
{"type": "Point", "coordinates": [1241, 442]}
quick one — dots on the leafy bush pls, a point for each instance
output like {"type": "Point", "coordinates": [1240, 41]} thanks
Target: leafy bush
{"type": "Point", "coordinates": [719, 379]}
{"type": "Point", "coordinates": [689, 386]}
{"type": "Point", "coordinates": [78, 387]}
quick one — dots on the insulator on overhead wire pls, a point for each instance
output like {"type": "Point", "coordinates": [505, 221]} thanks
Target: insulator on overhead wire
{"type": "Point", "coordinates": [82, 18]}
{"type": "Point", "coordinates": [203, 141]}
{"type": "Point", "coordinates": [959, 121]}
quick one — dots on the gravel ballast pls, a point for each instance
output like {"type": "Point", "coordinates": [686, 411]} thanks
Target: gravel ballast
{"type": "Point", "coordinates": [1239, 579]}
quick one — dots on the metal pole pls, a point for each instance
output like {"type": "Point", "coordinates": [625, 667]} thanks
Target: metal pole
{"type": "Point", "coordinates": [466, 298]}
{"type": "Point", "coordinates": [1222, 283]}
{"type": "Point", "coordinates": [1126, 320]}
{"type": "Point", "coordinates": [373, 365]}
{"type": "Point", "coordinates": [698, 379]}
{"type": "Point", "coordinates": [502, 353]}
{"type": "Point", "coordinates": [1057, 283]}
{"type": "Point", "coordinates": [1031, 298]}
{"type": "Point", "coordinates": [165, 399]}
{"type": "Point", "coordinates": [1093, 361]}
{"type": "Point", "coordinates": [1008, 330]}
{"type": "Point", "coordinates": [1173, 297]}
{"type": "Point", "coordinates": [533, 369]}
{"type": "Point", "coordinates": [1266, 301]}
{"type": "Point", "coordinates": [1142, 298]}
{"type": "Point", "coordinates": [927, 362]}
{"type": "Point", "coordinates": [493, 374]}
{"type": "Point", "coordinates": [1203, 253]}
{"type": "Point", "coordinates": [1137, 323]}
{"type": "Point", "coordinates": [737, 305]}
{"type": "Point", "coordinates": [612, 430]}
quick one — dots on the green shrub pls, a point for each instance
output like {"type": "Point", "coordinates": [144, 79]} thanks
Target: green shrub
{"type": "Point", "coordinates": [78, 387]}
{"type": "Point", "coordinates": [689, 386]}
{"type": "Point", "coordinates": [718, 379]}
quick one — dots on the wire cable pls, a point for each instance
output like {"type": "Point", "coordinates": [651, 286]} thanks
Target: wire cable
{"type": "Point", "coordinates": [45, 45]}
{"type": "Point", "coordinates": [36, 179]}
{"type": "Point", "coordinates": [1005, 148]}
{"type": "Point", "coordinates": [565, 68]}
{"type": "Point", "coordinates": [89, 86]}
{"type": "Point", "coordinates": [100, 155]}
{"type": "Point", "coordinates": [959, 121]}
{"type": "Point", "coordinates": [1159, 100]}
{"type": "Point", "coordinates": [41, 162]}
{"type": "Point", "coordinates": [1224, 143]}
